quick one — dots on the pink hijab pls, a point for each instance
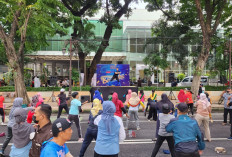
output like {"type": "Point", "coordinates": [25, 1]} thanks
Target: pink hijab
{"type": "Point", "coordinates": [128, 96]}
{"type": "Point", "coordinates": [203, 99]}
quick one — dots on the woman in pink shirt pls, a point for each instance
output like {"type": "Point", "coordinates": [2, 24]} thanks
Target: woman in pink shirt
{"type": "Point", "coordinates": [141, 96]}
{"type": "Point", "coordinates": [128, 96]}
{"type": "Point", "coordinates": [2, 108]}
{"type": "Point", "coordinates": [202, 116]}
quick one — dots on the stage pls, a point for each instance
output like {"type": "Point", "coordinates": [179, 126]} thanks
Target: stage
{"type": "Point", "coordinates": [106, 90]}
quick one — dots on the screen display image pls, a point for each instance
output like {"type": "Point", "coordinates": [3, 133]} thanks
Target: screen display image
{"type": "Point", "coordinates": [113, 75]}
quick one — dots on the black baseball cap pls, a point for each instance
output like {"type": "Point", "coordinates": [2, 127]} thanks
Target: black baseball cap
{"type": "Point", "coordinates": [60, 124]}
{"type": "Point", "coordinates": [182, 107]}
{"type": "Point", "coordinates": [165, 108]}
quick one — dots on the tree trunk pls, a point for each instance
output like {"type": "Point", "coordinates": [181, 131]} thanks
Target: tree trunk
{"type": "Point", "coordinates": [20, 88]}
{"type": "Point", "coordinates": [164, 78]}
{"type": "Point", "coordinates": [105, 42]}
{"type": "Point", "coordinates": [198, 72]}
{"type": "Point", "coordinates": [101, 49]}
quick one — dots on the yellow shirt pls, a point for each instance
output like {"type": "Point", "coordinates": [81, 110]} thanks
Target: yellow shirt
{"type": "Point", "coordinates": [154, 97]}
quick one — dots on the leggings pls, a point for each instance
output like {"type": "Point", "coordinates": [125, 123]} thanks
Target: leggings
{"type": "Point", "coordinates": [160, 141]}
{"type": "Point", "coordinates": [2, 113]}
{"type": "Point", "coordinates": [190, 106]}
{"type": "Point", "coordinates": [61, 107]}
{"type": "Point", "coordinates": [75, 118]}
{"type": "Point", "coordinates": [7, 139]}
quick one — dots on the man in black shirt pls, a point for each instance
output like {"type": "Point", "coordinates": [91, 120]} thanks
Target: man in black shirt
{"type": "Point", "coordinates": [116, 74]}
{"type": "Point", "coordinates": [174, 84]}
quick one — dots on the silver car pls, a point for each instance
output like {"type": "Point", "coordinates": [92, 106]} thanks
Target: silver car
{"type": "Point", "coordinates": [187, 81]}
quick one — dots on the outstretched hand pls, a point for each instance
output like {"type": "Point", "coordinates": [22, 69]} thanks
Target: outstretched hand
{"type": "Point", "coordinates": [200, 152]}
{"type": "Point", "coordinates": [127, 116]}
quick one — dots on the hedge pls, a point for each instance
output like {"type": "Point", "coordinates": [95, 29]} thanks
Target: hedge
{"type": "Point", "coordinates": [207, 88]}
{"type": "Point", "coordinates": [12, 89]}
{"type": "Point", "coordinates": [87, 88]}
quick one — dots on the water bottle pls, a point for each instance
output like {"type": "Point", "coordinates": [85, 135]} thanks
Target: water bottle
{"type": "Point", "coordinates": [130, 133]}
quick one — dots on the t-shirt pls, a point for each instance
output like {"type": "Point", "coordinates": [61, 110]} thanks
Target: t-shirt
{"type": "Point", "coordinates": [154, 97]}
{"type": "Point", "coordinates": [118, 109]}
{"type": "Point", "coordinates": [74, 107]}
{"type": "Point", "coordinates": [190, 99]}
{"type": "Point", "coordinates": [164, 120]}
{"type": "Point", "coordinates": [143, 98]}
{"type": "Point", "coordinates": [1, 101]}
{"type": "Point", "coordinates": [116, 73]}
{"type": "Point", "coordinates": [62, 98]}
{"type": "Point", "coordinates": [52, 149]}
{"type": "Point", "coordinates": [174, 84]}
{"type": "Point", "coordinates": [226, 96]}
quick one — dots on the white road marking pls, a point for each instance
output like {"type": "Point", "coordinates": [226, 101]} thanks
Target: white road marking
{"type": "Point", "coordinates": [137, 141]}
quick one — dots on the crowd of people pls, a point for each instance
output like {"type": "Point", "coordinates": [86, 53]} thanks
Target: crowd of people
{"type": "Point", "coordinates": [175, 123]}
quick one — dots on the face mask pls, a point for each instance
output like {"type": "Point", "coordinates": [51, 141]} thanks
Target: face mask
{"type": "Point", "coordinates": [34, 119]}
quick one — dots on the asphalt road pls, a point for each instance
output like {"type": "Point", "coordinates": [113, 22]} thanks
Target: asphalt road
{"type": "Point", "coordinates": [142, 145]}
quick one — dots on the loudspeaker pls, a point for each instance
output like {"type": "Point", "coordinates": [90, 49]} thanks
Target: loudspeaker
{"type": "Point", "coordinates": [53, 81]}
{"type": "Point", "coordinates": [223, 80]}
{"type": "Point", "coordinates": [171, 77]}
{"type": "Point", "coordinates": [85, 98]}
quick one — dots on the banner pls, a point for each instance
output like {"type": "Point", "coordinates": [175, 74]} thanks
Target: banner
{"type": "Point", "coordinates": [113, 75]}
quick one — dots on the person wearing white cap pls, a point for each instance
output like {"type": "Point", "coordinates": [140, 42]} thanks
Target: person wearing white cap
{"type": "Point", "coordinates": [62, 102]}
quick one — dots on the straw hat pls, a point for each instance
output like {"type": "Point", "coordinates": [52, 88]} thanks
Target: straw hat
{"type": "Point", "coordinates": [134, 100]}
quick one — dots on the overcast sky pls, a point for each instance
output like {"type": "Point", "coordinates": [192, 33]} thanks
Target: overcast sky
{"type": "Point", "coordinates": [140, 5]}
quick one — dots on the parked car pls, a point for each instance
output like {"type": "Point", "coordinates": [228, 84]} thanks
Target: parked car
{"type": "Point", "coordinates": [187, 81]}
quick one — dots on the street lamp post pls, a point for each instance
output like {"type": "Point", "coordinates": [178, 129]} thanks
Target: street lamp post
{"type": "Point", "coordinates": [70, 66]}
{"type": "Point", "coordinates": [230, 63]}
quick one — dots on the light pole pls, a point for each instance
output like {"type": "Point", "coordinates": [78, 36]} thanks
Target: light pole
{"type": "Point", "coordinates": [230, 63]}
{"type": "Point", "coordinates": [70, 66]}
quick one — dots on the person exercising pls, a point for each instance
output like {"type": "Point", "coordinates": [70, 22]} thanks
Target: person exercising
{"type": "Point", "coordinates": [116, 74]}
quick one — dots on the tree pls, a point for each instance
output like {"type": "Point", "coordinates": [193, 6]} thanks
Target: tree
{"type": "Point", "coordinates": [210, 14]}
{"type": "Point", "coordinates": [20, 21]}
{"type": "Point", "coordinates": [114, 10]}
{"type": "Point", "coordinates": [17, 13]}
{"type": "Point", "coordinates": [83, 29]}
{"type": "Point", "coordinates": [75, 76]}
{"type": "Point", "coordinates": [172, 39]}
{"type": "Point", "coordinates": [155, 61]}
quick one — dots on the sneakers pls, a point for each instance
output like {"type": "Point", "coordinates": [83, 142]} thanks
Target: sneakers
{"type": "Point", "coordinates": [80, 140]}
{"type": "Point", "coordinates": [126, 128]}
{"type": "Point", "coordinates": [1, 152]}
{"type": "Point", "coordinates": [166, 151]}
{"type": "Point", "coordinates": [230, 138]}
{"type": "Point", "coordinates": [138, 128]}
{"type": "Point", "coordinates": [2, 123]}
{"type": "Point", "coordinates": [2, 134]}
{"type": "Point", "coordinates": [224, 124]}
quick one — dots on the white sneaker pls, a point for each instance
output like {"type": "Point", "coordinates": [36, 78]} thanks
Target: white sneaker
{"type": "Point", "coordinates": [2, 123]}
{"type": "Point", "coordinates": [80, 140]}
{"type": "Point", "coordinates": [138, 128]}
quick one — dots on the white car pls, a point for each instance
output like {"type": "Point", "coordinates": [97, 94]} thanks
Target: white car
{"type": "Point", "coordinates": [187, 81]}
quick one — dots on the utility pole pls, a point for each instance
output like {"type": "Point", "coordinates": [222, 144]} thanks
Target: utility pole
{"type": "Point", "coordinates": [230, 63]}
{"type": "Point", "coordinates": [70, 69]}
